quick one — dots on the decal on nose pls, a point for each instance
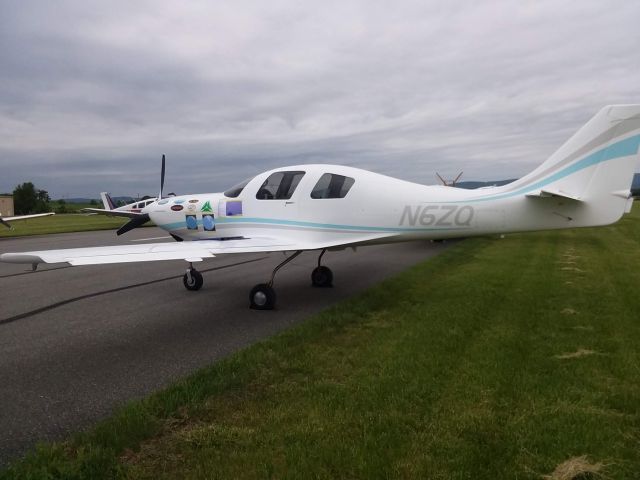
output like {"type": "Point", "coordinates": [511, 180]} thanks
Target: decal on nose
{"type": "Point", "coordinates": [208, 222]}
{"type": "Point", "coordinates": [192, 222]}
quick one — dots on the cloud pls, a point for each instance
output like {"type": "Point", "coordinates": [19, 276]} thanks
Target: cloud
{"type": "Point", "coordinates": [92, 93]}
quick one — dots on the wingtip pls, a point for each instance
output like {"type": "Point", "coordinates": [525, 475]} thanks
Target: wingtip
{"type": "Point", "coordinates": [20, 258]}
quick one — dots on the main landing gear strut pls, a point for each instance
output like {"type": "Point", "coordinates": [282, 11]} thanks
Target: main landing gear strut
{"type": "Point", "coordinates": [322, 276]}
{"type": "Point", "coordinates": [263, 296]}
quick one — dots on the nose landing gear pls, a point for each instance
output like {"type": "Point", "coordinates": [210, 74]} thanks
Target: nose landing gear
{"type": "Point", "coordinates": [192, 280]}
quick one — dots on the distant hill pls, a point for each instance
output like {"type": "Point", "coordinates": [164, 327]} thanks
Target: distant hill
{"type": "Point", "coordinates": [471, 184]}
{"type": "Point", "coordinates": [87, 200]}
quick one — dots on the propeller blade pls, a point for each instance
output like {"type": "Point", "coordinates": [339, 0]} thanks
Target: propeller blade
{"type": "Point", "coordinates": [133, 223]}
{"type": "Point", "coordinates": [457, 178]}
{"type": "Point", "coordinates": [161, 178]}
{"type": "Point", "coordinates": [444, 182]}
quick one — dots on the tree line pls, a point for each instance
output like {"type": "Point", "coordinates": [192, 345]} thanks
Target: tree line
{"type": "Point", "coordinates": [29, 199]}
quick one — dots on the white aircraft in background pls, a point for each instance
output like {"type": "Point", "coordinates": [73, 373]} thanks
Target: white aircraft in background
{"type": "Point", "coordinates": [5, 220]}
{"type": "Point", "coordinates": [323, 207]}
{"type": "Point", "coordinates": [451, 183]}
{"type": "Point", "coordinates": [111, 209]}
{"type": "Point", "coordinates": [131, 210]}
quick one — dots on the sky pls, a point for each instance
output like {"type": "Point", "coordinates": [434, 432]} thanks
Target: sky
{"type": "Point", "coordinates": [93, 93]}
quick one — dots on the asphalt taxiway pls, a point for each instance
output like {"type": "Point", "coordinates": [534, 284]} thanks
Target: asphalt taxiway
{"type": "Point", "coordinates": [77, 342]}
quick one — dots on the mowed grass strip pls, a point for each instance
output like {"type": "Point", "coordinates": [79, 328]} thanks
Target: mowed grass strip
{"type": "Point", "coordinates": [499, 359]}
{"type": "Point", "coordinates": [61, 223]}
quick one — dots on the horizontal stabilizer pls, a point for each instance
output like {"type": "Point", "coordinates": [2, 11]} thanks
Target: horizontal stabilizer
{"type": "Point", "coordinates": [547, 193]}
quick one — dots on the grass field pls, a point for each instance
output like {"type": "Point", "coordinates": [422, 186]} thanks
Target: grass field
{"type": "Point", "coordinates": [61, 223]}
{"type": "Point", "coordinates": [499, 359]}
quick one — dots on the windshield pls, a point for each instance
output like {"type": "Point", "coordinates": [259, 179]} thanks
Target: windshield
{"type": "Point", "coordinates": [236, 190]}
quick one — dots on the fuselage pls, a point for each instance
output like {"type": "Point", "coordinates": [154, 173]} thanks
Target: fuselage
{"type": "Point", "coordinates": [396, 209]}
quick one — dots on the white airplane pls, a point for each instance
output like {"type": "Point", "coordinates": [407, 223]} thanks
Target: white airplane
{"type": "Point", "coordinates": [131, 210]}
{"type": "Point", "coordinates": [5, 220]}
{"type": "Point", "coordinates": [111, 209]}
{"type": "Point", "coordinates": [451, 183]}
{"type": "Point", "coordinates": [585, 183]}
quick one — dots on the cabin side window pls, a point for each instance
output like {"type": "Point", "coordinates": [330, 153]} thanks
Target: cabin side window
{"type": "Point", "coordinates": [331, 185]}
{"type": "Point", "coordinates": [279, 186]}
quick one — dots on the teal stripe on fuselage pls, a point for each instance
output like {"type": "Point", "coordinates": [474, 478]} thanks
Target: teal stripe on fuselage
{"type": "Point", "coordinates": [313, 225]}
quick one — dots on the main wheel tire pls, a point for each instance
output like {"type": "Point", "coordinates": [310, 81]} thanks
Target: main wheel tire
{"type": "Point", "coordinates": [322, 277]}
{"type": "Point", "coordinates": [262, 297]}
{"type": "Point", "coordinates": [196, 281]}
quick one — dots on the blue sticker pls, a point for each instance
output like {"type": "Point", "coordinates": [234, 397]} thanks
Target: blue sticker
{"type": "Point", "coordinates": [208, 222]}
{"type": "Point", "coordinates": [192, 222]}
{"type": "Point", "coordinates": [179, 200]}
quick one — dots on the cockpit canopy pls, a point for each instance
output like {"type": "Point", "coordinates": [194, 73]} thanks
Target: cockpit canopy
{"type": "Point", "coordinates": [281, 186]}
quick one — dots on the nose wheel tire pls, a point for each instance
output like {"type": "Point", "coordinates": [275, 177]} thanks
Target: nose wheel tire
{"type": "Point", "coordinates": [322, 277]}
{"type": "Point", "coordinates": [262, 297]}
{"type": "Point", "coordinates": [192, 280]}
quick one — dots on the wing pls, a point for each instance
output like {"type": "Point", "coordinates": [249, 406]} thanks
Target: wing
{"type": "Point", "coordinates": [5, 220]}
{"type": "Point", "coordinates": [193, 251]}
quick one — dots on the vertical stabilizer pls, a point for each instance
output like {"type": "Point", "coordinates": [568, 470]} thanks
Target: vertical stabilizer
{"type": "Point", "coordinates": [595, 166]}
{"type": "Point", "coordinates": [106, 201]}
